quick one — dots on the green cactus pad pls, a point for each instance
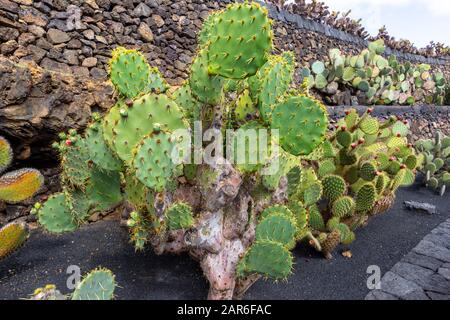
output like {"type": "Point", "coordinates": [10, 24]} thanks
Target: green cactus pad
{"type": "Point", "coordinates": [365, 197]}
{"type": "Point", "coordinates": [184, 98]}
{"type": "Point", "coordinates": [409, 178]}
{"type": "Point", "coordinates": [276, 209]}
{"type": "Point", "coordinates": [137, 193]}
{"type": "Point", "coordinates": [312, 193]}
{"type": "Point", "coordinates": [99, 152]}
{"type": "Point", "coordinates": [369, 125]}
{"type": "Point", "coordinates": [411, 162]}
{"type": "Point", "coordinates": [205, 87]}
{"type": "Point", "coordinates": [270, 259]}
{"type": "Point", "coordinates": [55, 215]}
{"type": "Point", "coordinates": [245, 108]}
{"type": "Point", "coordinates": [333, 187]}
{"type": "Point", "coordinates": [351, 119]}
{"type": "Point", "coordinates": [111, 119]}
{"type": "Point", "coordinates": [278, 166]}
{"type": "Point", "coordinates": [12, 236]}
{"type": "Point", "coordinates": [368, 171]}
{"type": "Point", "coordinates": [399, 179]}
{"type": "Point", "coordinates": [279, 228]}
{"type": "Point", "coordinates": [351, 175]}
{"type": "Point", "coordinates": [96, 285]}
{"type": "Point", "coordinates": [274, 82]}
{"type": "Point", "coordinates": [381, 182]}
{"type": "Point", "coordinates": [74, 163]}
{"type": "Point", "coordinates": [129, 72]}
{"type": "Point", "coordinates": [343, 207]}
{"type": "Point", "coordinates": [315, 218]}
{"type": "Point", "coordinates": [347, 236]}
{"type": "Point", "coordinates": [302, 122]}
{"type": "Point", "coordinates": [6, 154]}
{"type": "Point", "coordinates": [153, 162]}
{"type": "Point", "coordinates": [20, 185]}
{"type": "Point", "coordinates": [240, 40]}
{"type": "Point", "coordinates": [179, 216]}
{"type": "Point", "coordinates": [139, 120]}
{"type": "Point", "coordinates": [399, 128]}
{"type": "Point", "coordinates": [326, 167]}
{"type": "Point", "coordinates": [344, 138]}
{"type": "Point", "coordinates": [346, 158]}
{"type": "Point", "coordinates": [103, 189]}
{"type": "Point", "coordinates": [244, 146]}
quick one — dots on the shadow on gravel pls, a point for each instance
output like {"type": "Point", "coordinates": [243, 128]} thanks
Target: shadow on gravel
{"type": "Point", "coordinates": [45, 258]}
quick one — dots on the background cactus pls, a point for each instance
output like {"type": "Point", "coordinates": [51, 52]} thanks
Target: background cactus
{"type": "Point", "coordinates": [361, 165]}
{"type": "Point", "coordinates": [373, 79]}
{"type": "Point", "coordinates": [18, 185]}
{"type": "Point", "coordinates": [435, 162]}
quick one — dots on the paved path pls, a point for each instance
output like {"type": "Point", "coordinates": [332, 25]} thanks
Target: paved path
{"type": "Point", "coordinates": [423, 274]}
{"type": "Point", "coordinates": [143, 275]}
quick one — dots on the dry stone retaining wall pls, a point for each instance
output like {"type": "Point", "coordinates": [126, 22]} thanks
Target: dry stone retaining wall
{"type": "Point", "coordinates": [76, 36]}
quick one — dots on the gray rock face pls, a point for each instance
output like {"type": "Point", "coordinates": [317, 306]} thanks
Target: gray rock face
{"type": "Point", "coordinates": [56, 36]}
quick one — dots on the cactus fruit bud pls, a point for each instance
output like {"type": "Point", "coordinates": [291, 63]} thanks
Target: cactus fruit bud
{"type": "Point", "coordinates": [68, 142]}
{"type": "Point", "coordinates": [361, 141]}
{"type": "Point", "coordinates": [354, 145]}
{"type": "Point", "coordinates": [369, 110]}
{"type": "Point", "coordinates": [343, 128]}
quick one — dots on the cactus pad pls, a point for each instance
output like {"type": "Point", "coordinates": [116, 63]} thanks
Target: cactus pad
{"type": "Point", "coordinates": [271, 259]}
{"type": "Point", "coordinates": [205, 87]}
{"type": "Point", "coordinates": [179, 216]}
{"type": "Point", "coordinates": [333, 187]}
{"type": "Point", "coordinates": [139, 119]}
{"type": "Point", "coordinates": [96, 285]}
{"type": "Point", "coordinates": [279, 228]}
{"type": "Point", "coordinates": [367, 171]}
{"type": "Point", "coordinates": [153, 162]}
{"type": "Point", "coordinates": [302, 122]}
{"type": "Point", "coordinates": [12, 236]}
{"type": "Point", "coordinates": [20, 185]}
{"type": "Point", "coordinates": [99, 152]}
{"type": "Point", "coordinates": [343, 207]}
{"type": "Point", "coordinates": [55, 215]}
{"type": "Point", "coordinates": [276, 209]}
{"type": "Point", "coordinates": [240, 40]}
{"type": "Point", "coordinates": [129, 72]}
{"type": "Point", "coordinates": [6, 154]}
{"type": "Point", "coordinates": [365, 197]}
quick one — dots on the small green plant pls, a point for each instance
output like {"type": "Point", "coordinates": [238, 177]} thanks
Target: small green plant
{"type": "Point", "coordinates": [436, 162]}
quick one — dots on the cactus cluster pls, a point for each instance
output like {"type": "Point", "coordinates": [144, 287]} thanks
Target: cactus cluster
{"type": "Point", "coordinates": [99, 284]}
{"type": "Point", "coordinates": [372, 79]}
{"type": "Point", "coordinates": [238, 217]}
{"type": "Point", "coordinates": [361, 165]}
{"type": "Point", "coordinates": [435, 156]}
{"type": "Point", "coordinates": [17, 185]}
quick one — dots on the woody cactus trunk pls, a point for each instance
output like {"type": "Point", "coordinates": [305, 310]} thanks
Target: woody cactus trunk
{"type": "Point", "coordinates": [227, 214]}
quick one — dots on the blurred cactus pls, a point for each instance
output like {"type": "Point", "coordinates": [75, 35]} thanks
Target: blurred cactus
{"type": "Point", "coordinates": [435, 162]}
{"type": "Point", "coordinates": [376, 80]}
{"type": "Point", "coordinates": [99, 284]}
{"type": "Point", "coordinates": [12, 236]}
{"type": "Point", "coordinates": [18, 185]}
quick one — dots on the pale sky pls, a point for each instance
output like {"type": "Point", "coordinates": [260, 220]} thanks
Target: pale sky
{"type": "Point", "coordinates": [419, 21]}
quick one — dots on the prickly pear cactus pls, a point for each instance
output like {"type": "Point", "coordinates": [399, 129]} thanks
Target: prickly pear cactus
{"type": "Point", "coordinates": [365, 163]}
{"type": "Point", "coordinates": [225, 202]}
{"type": "Point", "coordinates": [18, 185]}
{"type": "Point", "coordinates": [99, 284]}
{"type": "Point", "coordinates": [12, 237]}
{"type": "Point", "coordinates": [373, 79]}
{"type": "Point", "coordinates": [435, 162]}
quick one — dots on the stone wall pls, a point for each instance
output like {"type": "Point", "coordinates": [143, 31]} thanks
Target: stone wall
{"type": "Point", "coordinates": [76, 36]}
